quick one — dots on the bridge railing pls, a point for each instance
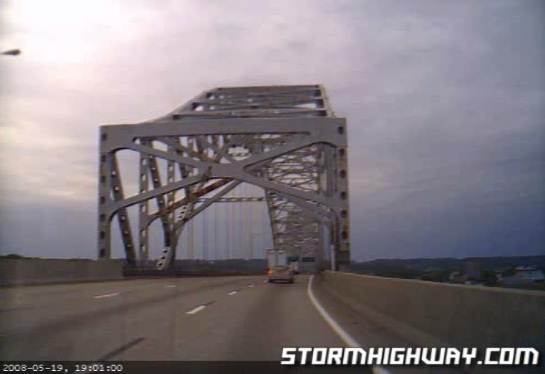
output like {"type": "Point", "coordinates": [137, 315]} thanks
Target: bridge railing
{"type": "Point", "coordinates": [439, 314]}
{"type": "Point", "coordinates": [28, 271]}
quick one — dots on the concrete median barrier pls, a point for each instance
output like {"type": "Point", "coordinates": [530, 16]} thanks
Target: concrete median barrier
{"type": "Point", "coordinates": [439, 314]}
{"type": "Point", "coordinates": [14, 272]}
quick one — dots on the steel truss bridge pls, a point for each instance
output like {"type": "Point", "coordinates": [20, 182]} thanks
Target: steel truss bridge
{"type": "Point", "coordinates": [285, 140]}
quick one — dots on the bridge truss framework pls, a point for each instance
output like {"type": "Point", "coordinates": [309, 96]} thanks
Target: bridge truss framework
{"type": "Point", "coordinates": [284, 139]}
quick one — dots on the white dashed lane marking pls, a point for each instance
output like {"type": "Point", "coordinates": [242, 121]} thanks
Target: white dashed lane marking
{"type": "Point", "coordinates": [106, 295]}
{"type": "Point", "coordinates": [200, 307]}
{"type": "Point", "coordinates": [196, 310]}
{"type": "Point", "coordinates": [232, 293]}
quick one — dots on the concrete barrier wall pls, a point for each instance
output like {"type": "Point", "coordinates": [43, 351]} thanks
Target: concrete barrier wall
{"type": "Point", "coordinates": [39, 271]}
{"type": "Point", "coordinates": [429, 313]}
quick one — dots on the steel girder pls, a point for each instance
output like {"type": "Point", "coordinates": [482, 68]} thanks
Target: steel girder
{"type": "Point", "coordinates": [284, 139]}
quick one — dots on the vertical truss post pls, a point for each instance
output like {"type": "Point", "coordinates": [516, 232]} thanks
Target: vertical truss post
{"type": "Point", "coordinates": [143, 210]}
{"type": "Point", "coordinates": [341, 181]}
{"type": "Point", "coordinates": [104, 217]}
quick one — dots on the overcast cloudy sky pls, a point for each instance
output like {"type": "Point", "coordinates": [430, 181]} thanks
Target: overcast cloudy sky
{"type": "Point", "coordinates": [445, 102]}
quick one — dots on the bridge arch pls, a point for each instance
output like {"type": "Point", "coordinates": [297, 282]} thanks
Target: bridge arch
{"type": "Point", "coordinates": [284, 139]}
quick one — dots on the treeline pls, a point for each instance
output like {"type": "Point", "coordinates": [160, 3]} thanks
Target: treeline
{"type": "Point", "coordinates": [439, 269]}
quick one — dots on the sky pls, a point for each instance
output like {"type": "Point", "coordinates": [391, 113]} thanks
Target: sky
{"type": "Point", "coordinates": [444, 103]}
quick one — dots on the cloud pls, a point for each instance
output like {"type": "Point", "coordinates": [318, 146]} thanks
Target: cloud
{"type": "Point", "coordinates": [444, 104]}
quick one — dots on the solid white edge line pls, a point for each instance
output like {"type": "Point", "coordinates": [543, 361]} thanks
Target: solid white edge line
{"type": "Point", "coordinates": [348, 340]}
{"type": "Point", "coordinates": [196, 310]}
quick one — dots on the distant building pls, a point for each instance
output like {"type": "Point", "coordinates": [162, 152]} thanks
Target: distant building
{"type": "Point", "coordinates": [523, 275]}
{"type": "Point", "coordinates": [471, 274]}
{"type": "Point", "coordinates": [455, 277]}
{"type": "Point", "coordinates": [473, 271]}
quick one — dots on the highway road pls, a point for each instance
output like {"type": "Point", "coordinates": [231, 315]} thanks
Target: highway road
{"type": "Point", "coordinates": [180, 319]}
{"type": "Point", "coordinates": [220, 318]}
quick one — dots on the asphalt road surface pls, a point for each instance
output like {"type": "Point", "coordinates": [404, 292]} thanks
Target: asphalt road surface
{"type": "Point", "coordinates": [220, 318]}
{"type": "Point", "coordinates": [182, 319]}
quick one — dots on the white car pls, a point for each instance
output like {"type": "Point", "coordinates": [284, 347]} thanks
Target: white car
{"type": "Point", "coordinates": [281, 273]}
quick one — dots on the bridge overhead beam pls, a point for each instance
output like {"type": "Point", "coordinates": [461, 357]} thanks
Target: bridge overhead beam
{"type": "Point", "coordinates": [284, 139]}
